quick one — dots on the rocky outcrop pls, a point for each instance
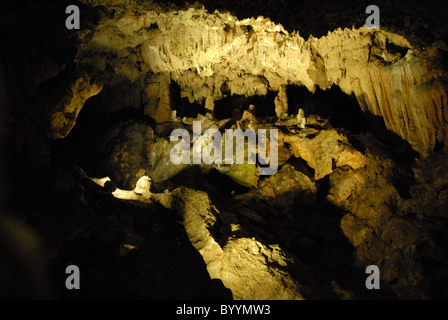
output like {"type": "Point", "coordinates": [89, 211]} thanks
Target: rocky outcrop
{"type": "Point", "coordinates": [387, 75]}
{"type": "Point", "coordinates": [130, 149]}
{"type": "Point", "coordinates": [324, 150]}
{"type": "Point", "coordinates": [157, 104]}
{"type": "Point", "coordinates": [250, 269]}
{"type": "Point", "coordinates": [275, 241]}
{"type": "Point", "coordinates": [127, 156]}
{"type": "Point", "coordinates": [205, 52]}
{"type": "Point", "coordinates": [64, 113]}
{"type": "Point", "coordinates": [381, 223]}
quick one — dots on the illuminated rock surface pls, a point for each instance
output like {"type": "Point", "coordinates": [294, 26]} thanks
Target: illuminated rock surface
{"type": "Point", "coordinates": [203, 52]}
{"type": "Point", "coordinates": [362, 175]}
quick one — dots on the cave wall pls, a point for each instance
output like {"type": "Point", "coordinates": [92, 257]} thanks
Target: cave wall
{"type": "Point", "coordinates": [205, 52]}
{"type": "Point", "coordinates": [131, 56]}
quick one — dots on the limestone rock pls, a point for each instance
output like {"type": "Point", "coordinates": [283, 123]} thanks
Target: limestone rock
{"type": "Point", "coordinates": [203, 51]}
{"type": "Point", "coordinates": [158, 98]}
{"type": "Point", "coordinates": [301, 119]}
{"type": "Point", "coordinates": [345, 185]}
{"type": "Point", "coordinates": [250, 269]}
{"type": "Point", "coordinates": [283, 188]}
{"type": "Point", "coordinates": [209, 104]}
{"type": "Point", "coordinates": [325, 150]}
{"type": "Point", "coordinates": [244, 174]}
{"type": "Point", "coordinates": [158, 160]}
{"type": "Point", "coordinates": [245, 270]}
{"type": "Point", "coordinates": [355, 230]}
{"type": "Point", "coordinates": [281, 103]}
{"type": "Point", "coordinates": [63, 116]}
{"type": "Point", "coordinates": [341, 203]}
{"type": "Point", "coordinates": [143, 186]}
{"type": "Point", "coordinates": [127, 155]}
{"type": "Point", "coordinates": [210, 56]}
{"type": "Point", "coordinates": [370, 68]}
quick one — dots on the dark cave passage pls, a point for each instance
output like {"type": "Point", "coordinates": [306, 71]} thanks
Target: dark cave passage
{"type": "Point", "coordinates": [181, 105]}
{"type": "Point", "coordinates": [264, 105]}
{"type": "Point", "coordinates": [342, 110]}
{"type": "Point", "coordinates": [233, 106]}
{"type": "Point", "coordinates": [211, 181]}
{"type": "Point", "coordinates": [83, 146]}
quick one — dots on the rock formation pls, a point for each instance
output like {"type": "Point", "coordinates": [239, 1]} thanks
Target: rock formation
{"type": "Point", "coordinates": [64, 114]}
{"type": "Point", "coordinates": [202, 52]}
{"type": "Point", "coordinates": [361, 179]}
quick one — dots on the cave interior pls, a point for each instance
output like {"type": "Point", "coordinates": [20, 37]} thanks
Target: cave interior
{"type": "Point", "coordinates": [86, 177]}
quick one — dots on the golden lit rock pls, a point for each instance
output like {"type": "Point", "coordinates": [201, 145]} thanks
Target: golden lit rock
{"type": "Point", "coordinates": [359, 172]}
{"type": "Point", "coordinates": [63, 118]}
